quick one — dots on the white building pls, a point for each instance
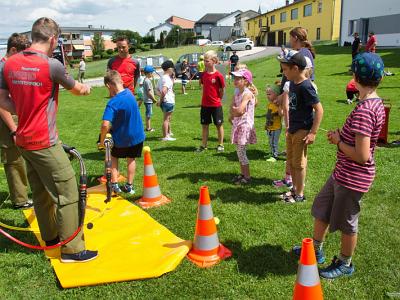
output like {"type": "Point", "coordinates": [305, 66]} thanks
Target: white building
{"type": "Point", "coordinates": [156, 31]}
{"type": "Point", "coordinates": [382, 17]}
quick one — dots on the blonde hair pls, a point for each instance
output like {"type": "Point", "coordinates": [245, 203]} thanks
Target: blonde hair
{"type": "Point", "coordinates": [211, 54]}
{"type": "Point", "coordinates": [240, 66]}
{"type": "Point", "coordinates": [112, 77]}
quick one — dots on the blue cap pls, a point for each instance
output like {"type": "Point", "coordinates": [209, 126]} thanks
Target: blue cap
{"type": "Point", "coordinates": [368, 66]}
{"type": "Point", "coordinates": [148, 69]}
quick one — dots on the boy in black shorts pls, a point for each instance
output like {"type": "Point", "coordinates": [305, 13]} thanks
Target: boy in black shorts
{"type": "Point", "coordinates": [211, 106]}
{"type": "Point", "coordinates": [123, 117]}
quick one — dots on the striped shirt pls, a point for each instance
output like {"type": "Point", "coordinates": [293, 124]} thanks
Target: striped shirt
{"type": "Point", "coordinates": [366, 119]}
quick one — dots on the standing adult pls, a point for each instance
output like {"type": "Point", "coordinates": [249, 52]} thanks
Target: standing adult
{"type": "Point", "coordinates": [82, 70]}
{"type": "Point", "coordinates": [234, 59]}
{"type": "Point", "coordinates": [371, 43]}
{"type": "Point", "coordinates": [14, 164]}
{"type": "Point", "coordinates": [356, 45]}
{"type": "Point", "coordinates": [32, 80]}
{"type": "Point", "coordinates": [125, 65]}
{"type": "Point", "coordinates": [299, 41]}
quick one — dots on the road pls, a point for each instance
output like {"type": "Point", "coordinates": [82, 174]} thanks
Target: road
{"type": "Point", "coordinates": [255, 53]}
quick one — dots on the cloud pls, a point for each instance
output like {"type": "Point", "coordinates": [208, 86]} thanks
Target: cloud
{"type": "Point", "coordinates": [18, 15]}
{"type": "Point", "coordinates": [150, 19]}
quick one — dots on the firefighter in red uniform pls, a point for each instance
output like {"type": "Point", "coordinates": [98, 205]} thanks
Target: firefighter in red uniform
{"type": "Point", "coordinates": [32, 80]}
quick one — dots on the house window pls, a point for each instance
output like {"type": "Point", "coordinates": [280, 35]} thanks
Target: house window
{"type": "Point", "coordinates": [319, 7]}
{"type": "Point", "coordinates": [318, 34]}
{"type": "Point", "coordinates": [283, 16]}
{"type": "Point", "coordinates": [307, 10]}
{"type": "Point", "coordinates": [294, 14]}
{"type": "Point", "coordinates": [352, 26]}
{"type": "Point", "coordinates": [272, 20]}
{"type": "Point", "coordinates": [259, 23]}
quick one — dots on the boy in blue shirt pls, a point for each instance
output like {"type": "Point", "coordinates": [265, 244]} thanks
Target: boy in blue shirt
{"type": "Point", "coordinates": [122, 119]}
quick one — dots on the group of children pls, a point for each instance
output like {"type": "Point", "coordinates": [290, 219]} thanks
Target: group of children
{"type": "Point", "coordinates": [337, 206]}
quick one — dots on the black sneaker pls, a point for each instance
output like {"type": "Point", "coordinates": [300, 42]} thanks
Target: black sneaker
{"type": "Point", "coordinates": [26, 205]}
{"type": "Point", "coordinates": [83, 256]}
{"type": "Point", "coordinates": [201, 149]}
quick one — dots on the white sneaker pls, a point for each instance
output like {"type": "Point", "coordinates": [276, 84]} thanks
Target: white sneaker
{"type": "Point", "coordinates": [170, 134]}
{"type": "Point", "coordinates": [349, 101]}
{"type": "Point", "coordinates": [168, 139]}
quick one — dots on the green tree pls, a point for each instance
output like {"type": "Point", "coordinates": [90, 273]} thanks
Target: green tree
{"type": "Point", "coordinates": [133, 37]}
{"type": "Point", "coordinates": [98, 44]}
{"type": "Point", "coordinates": [174, 36]}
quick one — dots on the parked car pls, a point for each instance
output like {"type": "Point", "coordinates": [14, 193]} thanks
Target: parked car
{"type": "Point", "coordinates": [239, 44]}
{"type": "Point", "coordinates": [217, 43]}
{"type": "Point", "coordinates": [192, 59]}
{"type": "Point", "coordinates": [203, 42]}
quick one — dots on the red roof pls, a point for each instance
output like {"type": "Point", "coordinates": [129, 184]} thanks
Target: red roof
{"type": "Point", "coordinates": [183, 23]}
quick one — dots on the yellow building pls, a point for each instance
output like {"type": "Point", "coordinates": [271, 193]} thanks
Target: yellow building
{"type": "Point", "coordinates": [321, 18]}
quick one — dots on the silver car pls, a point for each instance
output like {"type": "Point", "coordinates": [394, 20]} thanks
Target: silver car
{"type": "Point", "coordinates": [240, 44]}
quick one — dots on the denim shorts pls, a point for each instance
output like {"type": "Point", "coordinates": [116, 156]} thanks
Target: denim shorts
{"type": "Point", "coordinates": [167, 107]}
{"type": "Point", "coordinates": [149, 109]}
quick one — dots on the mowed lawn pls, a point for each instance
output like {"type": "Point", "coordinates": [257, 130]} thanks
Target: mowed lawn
{"type": "Point", "coordinates": [258, 228]}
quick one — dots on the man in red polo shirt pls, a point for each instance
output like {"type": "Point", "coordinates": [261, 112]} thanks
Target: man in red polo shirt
{"type": "Point", "coordinates": [32, 80]}
{"type": "Point", "coordinates": [125, 65]}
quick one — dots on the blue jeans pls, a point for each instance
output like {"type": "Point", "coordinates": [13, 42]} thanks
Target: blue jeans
{"type": "Point", "coordinates": [149, 110]}
{"type": "Point", "coordinates": [273, 137]}
{"type": "Point", "coordinates": [167, 107]}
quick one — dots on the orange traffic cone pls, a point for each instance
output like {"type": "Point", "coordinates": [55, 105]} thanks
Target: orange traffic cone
{"type": "Point", "coordinates": [308, 285]}
{"type": "Point", "coordinates": [206, 251]}
{"type": "Point", "coordinates": [152, 196]}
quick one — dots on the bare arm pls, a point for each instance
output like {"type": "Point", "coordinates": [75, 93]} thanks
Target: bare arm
{"type": "Point", "coordinates": [80, 89]}
{"type": "Point", "coordinates": [319, 112]}
{"type": "Point", "coordinates": [8, 120]}
{"type": "Point", "coordinates": [105, 128]}
{"type": "Point", "coordinates": [5, 101]}
{"type": "Point", "coordinates": [360, 153]}
{"type": "Point", "coordinates": [221, 92]}
{"type": "Point", "coordinates": [241, 109]}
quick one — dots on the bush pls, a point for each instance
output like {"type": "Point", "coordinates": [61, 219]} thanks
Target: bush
{"type": "Point", "coordinates": [88, 59]}
{"type": "Point", "coordinates": [96, 57]}
{"type": "Point", "coordinates": [74, 61]}
{"type": "Point", "coordinates": [105, 55]}
{"type": "Point", "coordinates": [110, 51]}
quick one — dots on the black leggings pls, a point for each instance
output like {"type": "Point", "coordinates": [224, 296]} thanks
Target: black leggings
{"type": "Point", "coordinates": [351, 94]}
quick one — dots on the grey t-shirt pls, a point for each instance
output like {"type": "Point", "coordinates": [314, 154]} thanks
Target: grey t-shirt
{"type": "Point", "coordinates": [147, 88]}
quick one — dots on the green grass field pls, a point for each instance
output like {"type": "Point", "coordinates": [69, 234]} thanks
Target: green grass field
{"type": "Point", "coordinates": [97, 68]}
{"type": "Point", "coordinates": [258, 228]}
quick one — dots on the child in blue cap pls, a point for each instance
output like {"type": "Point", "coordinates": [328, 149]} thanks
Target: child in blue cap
{"type": "Point", "coordinates": [337, 206]}
{"type": "Point", "coordinates": [148, 95]}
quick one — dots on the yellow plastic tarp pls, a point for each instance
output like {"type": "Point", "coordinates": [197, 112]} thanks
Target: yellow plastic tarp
{"type": "Point", "coordinates": [131, 245]}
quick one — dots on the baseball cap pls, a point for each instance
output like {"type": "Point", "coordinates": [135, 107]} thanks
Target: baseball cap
{"type": "Point", "coordinates": [275, 88]}
{"type": "Point", "coordinates": [368, 66]}
{"type": "Point", "coordinates": [293, 57]}
{"type": "Point", "coordinates": [167, 64]}
{"type": "Point", "coordinates": [148, 69]}
{"type": "Point", "coordinates": [246, 74]}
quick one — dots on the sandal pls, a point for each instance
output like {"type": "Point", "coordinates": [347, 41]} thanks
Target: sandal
{"type": "Point", "coordinates": [243, 181]}
{"type": "Point", "coordinates": [237, 177]}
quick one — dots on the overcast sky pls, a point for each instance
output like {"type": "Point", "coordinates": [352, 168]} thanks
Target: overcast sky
{"type": "Point", "coordinates": [136, 15]}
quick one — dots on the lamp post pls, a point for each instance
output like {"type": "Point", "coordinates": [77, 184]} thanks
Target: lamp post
{"type": "Point", "coordinates": [177, 30]}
